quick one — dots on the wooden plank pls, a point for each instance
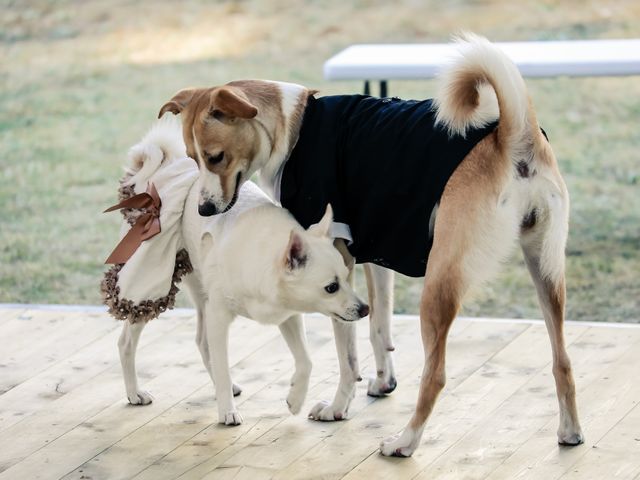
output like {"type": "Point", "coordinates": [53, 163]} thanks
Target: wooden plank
{"type": "Point", "coordinates": [616, 455]}
{"type": "Point", "coordinates": [602, 403]}
{"type": "Point", "coordinates": [240, 473]}
{"type": "Point", "coordinates": [496, 419]}
{"type": "Point", "coordinates": [325, 363]}
{"type": "Point", "coordinates": [46, 338]}
{"type": "Point", "coordinates": [7, 314]}
{"type": "Point", "coordinates": [66, 375]}
{"type": "Point", "coordinates": [196, 412]}
{"type": "Point", "coordinates": [34, 326]}
{"type": "Point", "coordinates": [101, 391]}
{"type": "Point", "coordinates": [336, 449]}
{"type": "Point", "coordinates": [463, 407]}
{"type": "Point", "coordinates": [499, 434]}
{"type": "Point", "coordinates": [202, 453]}
{"type": "Point", "coordinates": [359, 440]}
{"type": "Point", "coordinates": [182, 374]}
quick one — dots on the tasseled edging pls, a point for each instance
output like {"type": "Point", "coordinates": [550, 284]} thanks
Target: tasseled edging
{"type": "Point", "coordinates": [123, 309]}
{"type": "Point", "coordinates": [124, 192]}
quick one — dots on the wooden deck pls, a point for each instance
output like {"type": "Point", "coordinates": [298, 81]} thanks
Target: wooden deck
{"type": "Point", "coordinates": [63, 412]}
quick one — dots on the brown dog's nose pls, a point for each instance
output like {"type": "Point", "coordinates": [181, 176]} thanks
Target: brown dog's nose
{"type": "Point", "coordinates": [207, 209]}
{"type": "Point", "coordinates": [363, 310]}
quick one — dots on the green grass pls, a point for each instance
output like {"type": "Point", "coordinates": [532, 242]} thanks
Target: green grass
{"type": "Point", "coordinates": [82, 81]}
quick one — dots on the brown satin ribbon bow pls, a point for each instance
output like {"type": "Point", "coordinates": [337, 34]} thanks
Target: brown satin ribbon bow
{"type": "Point", "coordinates": [147, 225]}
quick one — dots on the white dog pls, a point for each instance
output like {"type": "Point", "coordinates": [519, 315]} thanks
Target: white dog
{"type": "Point", "coordinates": [255, 261]}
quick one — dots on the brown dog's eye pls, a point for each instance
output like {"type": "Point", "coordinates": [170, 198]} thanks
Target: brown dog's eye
{"type": "Point", "coordinates": [217, 114]}
{"type": "Point", "coordinates": [215, 159]}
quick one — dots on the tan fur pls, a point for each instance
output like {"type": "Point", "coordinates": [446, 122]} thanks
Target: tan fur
{"type": "Point", "coordinates": [213, 122]}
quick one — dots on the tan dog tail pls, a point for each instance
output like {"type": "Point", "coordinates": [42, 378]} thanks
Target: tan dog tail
{"type": "Point", "coordinates": [480, 86]}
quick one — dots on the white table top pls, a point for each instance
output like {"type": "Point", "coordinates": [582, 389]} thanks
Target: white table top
{"type": "Point", "coordinates": [576, 58]}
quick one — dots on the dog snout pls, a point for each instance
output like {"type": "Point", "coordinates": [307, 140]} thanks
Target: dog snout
{"type": "Point", "coordinates": [207, 209]}
{"type": "Point", "coordinates": [363, 310]}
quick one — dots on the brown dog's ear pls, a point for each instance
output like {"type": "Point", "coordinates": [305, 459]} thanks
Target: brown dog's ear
{"type": "Point", "coordinates": [232, 104]}
{"type": "Point", "coordinates": [179, 101]}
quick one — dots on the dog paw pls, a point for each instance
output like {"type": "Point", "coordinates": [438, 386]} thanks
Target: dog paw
{"type": "Point", "coordinates": [401, 444]}
{"type": "Point", "coordinates": [381, 386]}
{"type": "Point", "coordinates": [237, 390]}
{"type": "Point", "coordinates": [231, 417]}
{"type": "Point", "coordinates": [325, 412]}
{"type": "Point", "coordinates": [140, 398]}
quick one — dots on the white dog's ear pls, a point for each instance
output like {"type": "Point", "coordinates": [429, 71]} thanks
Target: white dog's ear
{"type": "Point", "coordinates": [323, 227]}
{"type": "Point", "coordinates": [296, 253]}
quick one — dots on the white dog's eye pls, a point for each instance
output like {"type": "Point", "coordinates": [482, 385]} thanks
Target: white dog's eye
{"type": "Point", "coordinates": [215, 159]}
{"type": "Point", "coordinates": [333, 287]}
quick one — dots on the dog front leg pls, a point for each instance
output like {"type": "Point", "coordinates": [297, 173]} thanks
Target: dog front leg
{"type": "Point", "coordinates": [127, 345]}
{"type": "Point", "coordinates": [380, 287]}
{"type": "Point", "coordinates": [345, 336]}
{"type": "Point", "coordinates": [294, 334]}
{"type": "Point", "coordinates": [217, 325]}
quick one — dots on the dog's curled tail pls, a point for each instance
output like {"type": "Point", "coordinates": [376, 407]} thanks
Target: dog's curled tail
{"type": "Point", "coordinates": [470, 86]}
{"type": "Point", "coordinates": [163, 140]}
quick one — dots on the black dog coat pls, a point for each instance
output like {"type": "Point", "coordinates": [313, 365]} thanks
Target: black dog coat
{"type": "Point", "coordinates": [383, 165]}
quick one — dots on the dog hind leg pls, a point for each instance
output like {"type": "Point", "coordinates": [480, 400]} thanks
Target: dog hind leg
{"type": "Point", "coordinates": [203, 347]}
{"type": "Point", "coordinates": [217, 335]}
{"type": "Point", "coordinates": [475, 230]}
{"type": "Point", "coordinates": [127, 346]}
{"type": "Point", "coordinates": [294, 334]}
{"type": "Point", "coordinates": [440, 302]}
{"type": "Point", "coordinates": [380, 287]}
{"type": "Point", "coordinates": [195, 290]}
{"type": "Point", "coordinates": [551, 295]}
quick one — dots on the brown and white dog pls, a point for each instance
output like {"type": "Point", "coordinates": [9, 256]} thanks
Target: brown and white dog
{"type": "Point", "coordinates": [507, 190]}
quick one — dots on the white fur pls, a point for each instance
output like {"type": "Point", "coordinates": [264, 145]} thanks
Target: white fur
{"type": "Point", "coordinates": [401, 444]}
{"type": "Point", "coordinates": [550, 198]}
{"type": "Point", "coordinates": [240, 268]}
{"type": "Point", "coordinates": [163, 140]}
{"type": "Point", "coordinates": [292, 96]}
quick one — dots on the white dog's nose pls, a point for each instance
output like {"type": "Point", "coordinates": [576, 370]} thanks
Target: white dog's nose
{"type": "Point", "coordinates": [363, 310]}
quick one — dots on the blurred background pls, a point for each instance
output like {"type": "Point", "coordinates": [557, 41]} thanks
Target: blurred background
{"type": "Point", "coordinates": [81, 81]}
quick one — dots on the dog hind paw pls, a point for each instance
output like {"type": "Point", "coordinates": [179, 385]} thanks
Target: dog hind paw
{"type": "Point", "coordinates": [571, 440]}
{"type": "Point", "coordinates": [140, 398]}
{"type": "Point", "coordinates": [401, 444]}
{"type": "Point", "coordinates": [325, 412]}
